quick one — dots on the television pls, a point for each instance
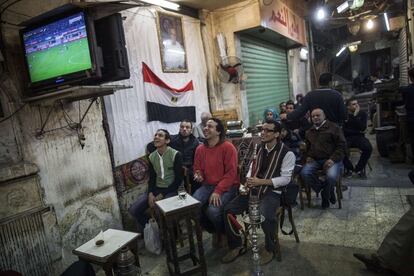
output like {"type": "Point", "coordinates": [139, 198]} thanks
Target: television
{"type": "Point", "coordinates": [59, 51]}
{"type": "Point", "coordinates": [63, 48]}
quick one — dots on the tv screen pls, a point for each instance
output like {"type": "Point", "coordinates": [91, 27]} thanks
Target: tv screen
{"type": "Point", "coordinates": [58, 49]}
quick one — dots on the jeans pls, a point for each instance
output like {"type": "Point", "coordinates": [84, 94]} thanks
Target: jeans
{"type": "Point", "coordinates": [364, 145]}
{"type": "Point", "coordinates": [310, 178]}
{"type": "Point", "coordinates": [268, 205]}
{"type": "Point", "coordinates": [212, 216]}
{"type": "Point", "coordinates": [138, 208]}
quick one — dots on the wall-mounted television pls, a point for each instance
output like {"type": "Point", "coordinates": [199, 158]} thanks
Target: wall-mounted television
{"type": "Point", "coordinates": [69, 47]}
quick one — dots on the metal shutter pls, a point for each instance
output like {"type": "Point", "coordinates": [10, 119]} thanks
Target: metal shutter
{"type": "Point", "coordinates": [267, 81]}
{"type": "Point", "coordinates": [402, 48]}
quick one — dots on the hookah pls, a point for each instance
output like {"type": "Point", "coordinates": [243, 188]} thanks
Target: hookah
{"type": "Point", "coordinates": [253, 218]}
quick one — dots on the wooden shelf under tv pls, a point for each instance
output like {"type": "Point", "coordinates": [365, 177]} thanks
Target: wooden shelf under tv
{"type": "Point", "coordinates": [75, 93]}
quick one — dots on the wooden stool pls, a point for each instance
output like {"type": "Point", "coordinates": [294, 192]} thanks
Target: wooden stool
{"type": "Point", "coordinates": [307, 189]}
{"type": "Point", "coordinates": [173, 210]}
{"type": "Point", "coordinates": [280, 213]}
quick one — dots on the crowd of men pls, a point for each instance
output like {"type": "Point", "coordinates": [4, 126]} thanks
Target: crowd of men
{"type": "Point", "coordinates": [320, 120]}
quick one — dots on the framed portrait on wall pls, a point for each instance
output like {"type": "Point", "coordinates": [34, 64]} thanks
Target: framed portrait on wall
{"type": "Point", "coordinates": [172, 43]}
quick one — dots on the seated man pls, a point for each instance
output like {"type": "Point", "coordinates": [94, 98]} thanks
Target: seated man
{"type": "Point", "coordinates": [326, 150]}
{"type": "Point", "coordinates": [274, 167]}
{"type": "Point", "coordinates": [354, 129]}
{"type": "Point", "coordinates": [186, 144]}
{"type": "Point", "coordinates": [298, 126]}
{"type": "Point", "coordinates": [215, 167]}
{"type": "Point", "coordinates": [165, 175]}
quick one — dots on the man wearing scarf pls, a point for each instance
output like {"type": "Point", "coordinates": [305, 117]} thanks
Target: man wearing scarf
{"type": "Point", "coordinates": [274, 167]}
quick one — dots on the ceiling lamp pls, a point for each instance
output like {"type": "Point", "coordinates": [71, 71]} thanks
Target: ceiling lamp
{"type": "Point", "coordinates": [320, 14]}
{"type": "Point", "coordinates": [343, 7]}
{"type": "Point", "coordinates": [163, 3]}
{"type": "Point", "coordinates": [370, 24]}
{"type": "Point", "coordinates": [387, 22]}
{"type": "Point", "coordinates": [340, 51]}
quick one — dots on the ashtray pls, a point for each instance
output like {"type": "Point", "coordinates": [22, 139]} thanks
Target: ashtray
{"type": "Point", "coordinates": [99, 242]}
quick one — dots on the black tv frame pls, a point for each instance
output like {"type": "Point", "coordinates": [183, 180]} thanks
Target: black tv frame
{"type": "Point", "coordinates": [80, 77]}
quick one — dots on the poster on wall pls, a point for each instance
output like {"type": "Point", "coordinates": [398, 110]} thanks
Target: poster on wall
{"type": "Point", "coordinates": [172, 43]}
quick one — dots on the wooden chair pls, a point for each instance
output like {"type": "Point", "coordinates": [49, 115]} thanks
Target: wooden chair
{"type": "Point", "coordinates": [280, 213]}
{"type": "Point", "coordinates": [308, 190]}
{"type": "Point", "coordinates": [357, 150]}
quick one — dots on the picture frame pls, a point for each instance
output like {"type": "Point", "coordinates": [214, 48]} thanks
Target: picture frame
{"type": "Point", "coordinates": [171, 43]}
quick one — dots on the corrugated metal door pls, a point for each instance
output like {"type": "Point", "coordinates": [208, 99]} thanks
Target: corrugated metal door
{"type": "Point", "coordinates": [402, 48]}
{"type": "Point", "coordinates": [267, 76]}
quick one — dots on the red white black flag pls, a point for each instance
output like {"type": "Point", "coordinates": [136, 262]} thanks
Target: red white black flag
{"type": "Point", "coordinates": [165, 103]}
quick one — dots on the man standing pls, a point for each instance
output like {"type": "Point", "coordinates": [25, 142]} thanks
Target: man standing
{"type": "Point", "coordinates": [275, 164]}
{"type": "Point", "coordinates": [215, 167]}
{"type": "Point", "coordinates": [165, 175]}
{"type": "Point", "coordinates": [326, 150]}
{"type": "Point", "coordinates": [299, 126]}
{"type": "Point", "coordinates": [354, 129]}
{"type": "Point", "coordinates": [325, 98]}
{"type": "Point", "coordinates": [186, 144]}
{"type": "Point", "coordinates": [198, 130]}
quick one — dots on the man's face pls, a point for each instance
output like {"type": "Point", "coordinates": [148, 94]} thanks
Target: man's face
{"type": "Point", "coordinates": [185, 129]}
{"type": "Point", "coordinates": [352, 106]}
{"type": "Point", "coordinates": [282, 106]}
{"type": "Point", "coordinates": [204, 119]}
{"type": "Point", "coordinates": [268, 133]}
{"type": "Point", "coordinates": [210, 130]}
{"type": "Point", "coordinates": [317, 117]}
{"type": "Point", "coordinates": [289, 108]}
{"type": "Point", "coordinates": [160, 140]}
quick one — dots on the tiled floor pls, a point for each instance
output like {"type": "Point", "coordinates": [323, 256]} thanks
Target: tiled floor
{"type": "Point", "coordinates": [367, 214]}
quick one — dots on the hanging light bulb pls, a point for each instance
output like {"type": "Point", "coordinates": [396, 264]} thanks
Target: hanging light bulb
{"type": "Point", "coordinates": [370, 24]}
{"type": "Point", "coordinates": [321, 14]}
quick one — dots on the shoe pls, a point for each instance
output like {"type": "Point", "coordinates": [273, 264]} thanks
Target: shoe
{"type": "Point", "coordinates": [372, 263]}
{"type": "Point", "coordinates": [233, 254]}
{"type": "Point", "coordinates": [266, 256]}
{"type": "Point", "coordinates": [344, 188]}
{"type": "Point", "coordinates": [361, 174]}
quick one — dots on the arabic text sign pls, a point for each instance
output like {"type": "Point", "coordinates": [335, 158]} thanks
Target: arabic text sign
{"type": "Point", "coordinates": [281, 19]}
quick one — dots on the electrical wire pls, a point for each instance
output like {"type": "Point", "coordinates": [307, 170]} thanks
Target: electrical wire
{"type": "Point", "coordinates": [14, 113]}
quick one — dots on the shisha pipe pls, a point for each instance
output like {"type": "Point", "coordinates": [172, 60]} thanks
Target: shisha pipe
{"type": "Point", "coordinates": [254, 218]}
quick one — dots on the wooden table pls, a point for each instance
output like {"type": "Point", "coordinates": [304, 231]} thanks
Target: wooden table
{"type": "Point", "coordinates": [171, 211]}
{"type": "Point", "coordinates": [106, 254]}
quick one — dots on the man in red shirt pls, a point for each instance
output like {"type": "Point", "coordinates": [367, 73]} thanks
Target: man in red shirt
{"type": "Point", "coordinates": [215, 167]}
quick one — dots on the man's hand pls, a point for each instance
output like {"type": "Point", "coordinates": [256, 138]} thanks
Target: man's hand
{"type": "Point", "coordinates": [215, 199]}
{"type": "Point", "coordinates": [159, 197]}
{"type": "Point", "coordinates": [328, 163]}
{"type": "Point", "coordinates": [254, 181]}
{"type": "Point", "coordinates": [198, 177]}
{"type": "Point", "coordinates": [151, 200]}
{"type": "Point", "coordinates": [296, 131]}
{"type": "Point", "coordinates": [283, 116]}
{"type": "Point", "coordinates": [356, 110]}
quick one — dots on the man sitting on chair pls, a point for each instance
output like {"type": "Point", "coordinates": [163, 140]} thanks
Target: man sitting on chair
{"type": "Point", "coordinates": [354, 129]}
{"type": "Point", "coordinates": [165, 175]}
{"type": "Point", "coordinates": [326, 149]}
{"type": "Point", "coordinates": [186, 144]}
{"type": "Point", "coordinates": [275, 164]}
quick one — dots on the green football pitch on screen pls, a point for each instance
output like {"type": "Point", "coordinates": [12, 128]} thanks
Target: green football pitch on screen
{"type": "Point", "coordinates": [59, 60]}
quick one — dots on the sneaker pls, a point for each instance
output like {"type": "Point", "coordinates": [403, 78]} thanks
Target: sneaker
{"type": "Point", "coordinates": [233, 254]}
{"type": "Point", "coordinates": [348, 174]}
{"type": "Point", "coordinates": [266, 256]}
{"type": "Point", "coordinates": [361, 174]}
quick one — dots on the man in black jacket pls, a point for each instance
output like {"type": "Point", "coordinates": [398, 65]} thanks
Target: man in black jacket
{"type": "Point", "coordinates": [325, 98]}
{"type": "Point", "coordinates": [354, 129]}
{"type": "Point", "coordinates": [408, 96]}
{"type": "Point", "coordinates": [186, 143]}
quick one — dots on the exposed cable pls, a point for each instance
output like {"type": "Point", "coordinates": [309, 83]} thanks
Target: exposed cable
{"type": "Point", "coordinates": [14, 113]}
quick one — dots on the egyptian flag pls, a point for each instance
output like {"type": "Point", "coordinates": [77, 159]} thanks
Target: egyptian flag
{"type": "Point", "coordinates": [165, 103]}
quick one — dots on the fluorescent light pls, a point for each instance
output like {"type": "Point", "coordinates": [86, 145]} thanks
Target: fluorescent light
{"type": "Point", "coordinates": [340, 51]}
{"type": "Point", "coordinates": [320, 14]}
{"type": "Point", "coordinates": [163, 3]}
{"type": "Point", "coordinates": [370, 24]}
{"type": "Point", "coordinates": [343, 7]}
{"type": "Point", "coordinates": [387, 23]}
